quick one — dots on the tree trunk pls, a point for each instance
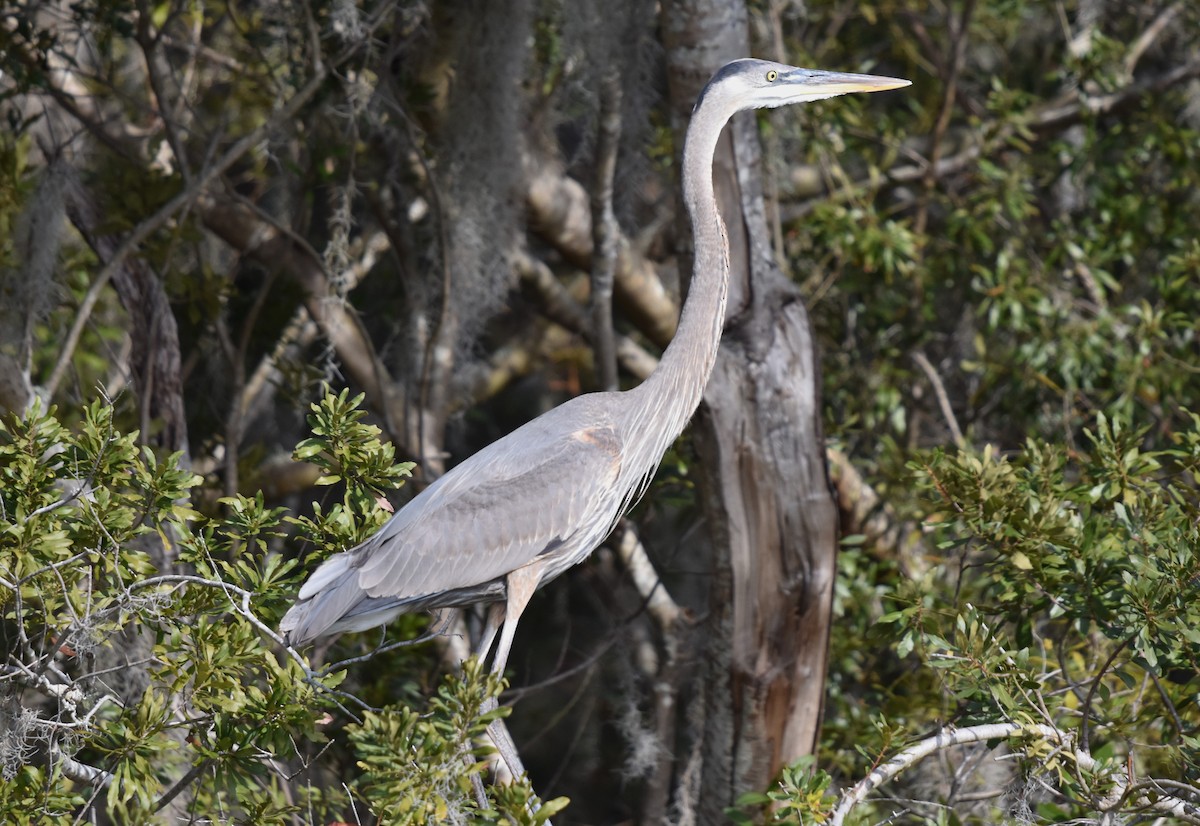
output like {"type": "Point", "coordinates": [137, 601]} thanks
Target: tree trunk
{"type": "Point", "coordinates": [155, 360]}
{"type": "Point", "coordinates": [766, 493]}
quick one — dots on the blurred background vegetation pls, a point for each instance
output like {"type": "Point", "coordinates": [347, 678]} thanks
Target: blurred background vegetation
{"type": "Point", "coordinates": [222, 222]}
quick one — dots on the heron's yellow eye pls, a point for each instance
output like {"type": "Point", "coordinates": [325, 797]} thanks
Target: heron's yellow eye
{"type": "Point", "coordinates": [771, 75]}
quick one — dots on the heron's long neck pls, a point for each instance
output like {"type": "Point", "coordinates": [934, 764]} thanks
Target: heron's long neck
{"type": "Point", "coordinates": [667, 400]}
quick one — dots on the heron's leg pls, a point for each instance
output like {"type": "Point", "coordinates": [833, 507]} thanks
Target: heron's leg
{"type": "Point", "coordinates": [520, 586]}
{"type": "Point", "coordinates": [495, 618]}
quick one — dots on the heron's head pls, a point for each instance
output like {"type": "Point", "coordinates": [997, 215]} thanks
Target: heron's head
{"type": "Point", "coordinates": [761, 84]}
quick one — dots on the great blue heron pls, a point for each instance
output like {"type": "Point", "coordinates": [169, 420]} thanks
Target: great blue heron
{"type": "Point", "coordinates": [527, 507]}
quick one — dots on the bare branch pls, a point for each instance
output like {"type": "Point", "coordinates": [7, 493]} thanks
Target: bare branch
{"type": "Point", "coordinates": [167, 211]}
{"type": "Point", "coordinates": [253, 234]}
{"type": "Point", "coordinates": [284, 114]}
{"type": "Point", "coordinates": [439, 627]}
{"type": "Point", "coordinates": [662, 607]}
{"type": "Point", "coordinates": [950, 738]}
{"type": "Point", "coordinates": [179, 785]}
{"type": "Point", "coordinates": [605, 231]}
{"type": "Point", "coordinates": [82, 772]}
{"type": "Point", "coordinates": [867, 513]}
{"type": "Point", "coordinates": [1150, 36]}
{"type": "Point", "coordinates": [939, 390]}
{"type": "Point", "coordinates": [557, 304]}
{"type": "Point", "coordinates": [558, 209]}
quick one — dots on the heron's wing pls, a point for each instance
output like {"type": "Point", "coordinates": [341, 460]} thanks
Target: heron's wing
{"type": "Point", "coordinates": [502, 508]}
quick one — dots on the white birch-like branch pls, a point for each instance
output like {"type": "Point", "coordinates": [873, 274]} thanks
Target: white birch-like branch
{"type": "Point", "coordinates": [662, 607]}
{"type": "Point", "coordinates": [949, 738]}
{"type": "Point", "coordinates": [82, 772]}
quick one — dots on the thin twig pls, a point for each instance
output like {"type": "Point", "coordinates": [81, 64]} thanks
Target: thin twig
{"type": "Point", "coordinates": [1170, 706]}
{"type": "Point", "coordinates": [1147, 38]}
{"type": "Point", "coordinates": [1087, 701]}
{"type": "Point", "coordinates": [438, 630]}
{"type": "Point", "coordinates": [179, 785]}
{"type": "Point", "coordinates": [939, 390]}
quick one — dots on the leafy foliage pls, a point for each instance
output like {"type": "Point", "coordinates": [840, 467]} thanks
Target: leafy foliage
{"type": "Point", "coordinates": [1047, 276]}
{"type": "Point", "coordinates": [93, 544]}
{"type": "Point", "coordinates": [801, 796]}
{"type": "Point", "coordinates": [418, 767]}
{"type": "Point", "coordinates": [1073, 604]}
{"type": "Point", "coordinates": [348, 451]}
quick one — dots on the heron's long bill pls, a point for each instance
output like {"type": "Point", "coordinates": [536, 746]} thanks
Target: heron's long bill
{"type": "Point", "coordinates": [813, 81]}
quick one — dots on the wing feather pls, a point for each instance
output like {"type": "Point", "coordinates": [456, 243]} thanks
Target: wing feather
{"type": "Point", "coordinates": [496, 512]}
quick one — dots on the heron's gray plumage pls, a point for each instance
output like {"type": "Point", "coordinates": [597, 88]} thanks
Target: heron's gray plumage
{"type": "Point", "coordinates": [537, 493]}
{"type": "Point", "coordinates": [538, 501]}
{"type": "Point", "coordinates": [520, 500]}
